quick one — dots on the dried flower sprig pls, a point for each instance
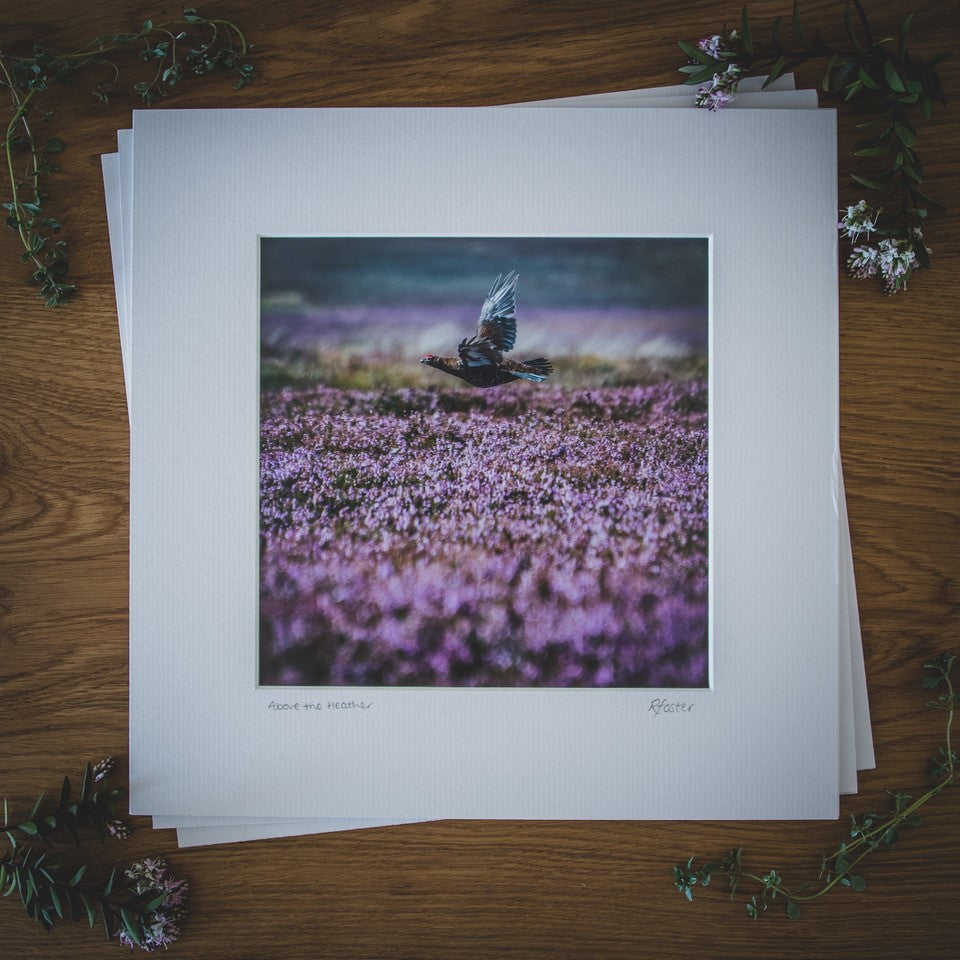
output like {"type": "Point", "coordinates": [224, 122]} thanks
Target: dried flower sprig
{"type": "Point", "coordinates": [194, 45]}
{"type": "Point", "coordinates": [868, 832]}
{"type": "Point", "coordinates": [887, 79]}
{"type": "Point", "coordinates": [142, 907]}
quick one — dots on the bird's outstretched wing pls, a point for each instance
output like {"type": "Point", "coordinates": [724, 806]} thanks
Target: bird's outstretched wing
{"type": "Point", "coordinates": [478, 352]}
{"type": "Point", "coordinates": [497, 322]}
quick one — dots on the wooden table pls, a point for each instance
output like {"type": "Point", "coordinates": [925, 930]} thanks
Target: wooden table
{"type": "Point", "coordinates": [459, 889]}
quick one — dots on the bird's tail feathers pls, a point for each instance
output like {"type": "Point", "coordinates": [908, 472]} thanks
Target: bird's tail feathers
{"type": "Point", "coordinates": [536, 370]}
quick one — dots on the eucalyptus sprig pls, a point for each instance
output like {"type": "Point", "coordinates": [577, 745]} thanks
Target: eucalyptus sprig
{"type": "Point", "coordinates": [880, 76]}
{"type": "Point", "coordinates": [194, 45]}
{"type": "Point", "coordinates": [868, 832]}
{"type": "Point", "coordinates": [141, 906]}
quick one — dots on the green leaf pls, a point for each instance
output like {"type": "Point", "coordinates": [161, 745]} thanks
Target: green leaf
{"type": "Point", "coordinates": [906, 137]}
{"type": "Point", "coordinates": [55, 897]}
{"type": "Point", "coordinates": [857, 882]}
{"type": "Point", "coordinates": [12, 839]}
{"type": "Point", "coordinates": [745, 33]}
{"type": "Point", "coordinates": [844, 71]}
{"type": "Point", "coordinates": [877, 151]}
{"type": "Point", "coordinates": [91, 911]}
{"type": "Point", "coordinates": [793, 911]}
{"type": "Point", "coordinates": [913, 821]}
{"type": "Point", "coordinates": [911, 172]}
{"type": "Point", "coordinates": [70, 832]}
{"type": "Point", "coordinates": [798, 28]}
{"type": "Point", "coordinates": [36, 806]}
{"type": "Point", "coordinates": [775, 72]}
{"type": "Point", "coordinates": [825, 81]}
{"type": "Point", "coordinates": [704, 75]}
{"type": "Point", "coordinates": [867, 80]}
{"type": "Point", "coordinates": [87, 781]}
{"type": "Point", "coordinates": [108, 922]}
{"type": "Point", "coordinates": [893, 78]}
{"type": "Point", "coordinates": [65, 789]}
{"type": "Point", "coordinates": [852, 90]}
{"type": "Point", "coordinates": [191, 15]}
{"type": "Point", "coordinates": [54, 145]}
{"type": "Point", "coordinates": [904, 30]}
{"type": "Point", "coordinates": [147, 24]}
{"type": "Point", "coordinates": [929, 201]}
{"type": "Point", "coordinates": [695, 53]}
{"type": "Point", "coordinates": [32, 883]}
{"type": "Point", "coordinates": [78, 876]}
{"type": "Point", "coordinates": [131, 924]}
{"type": "Point", "coordinates": [153, 905]}
{"type": "Point", "coordinates": [109, 885]}
{"type": "Point", "coordinates": [30, 829]}
{"type": "Point", "coordinates": [851, 33]}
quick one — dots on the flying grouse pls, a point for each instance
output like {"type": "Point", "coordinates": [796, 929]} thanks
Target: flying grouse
{"type": "Point", "coordinates": [480, 359]}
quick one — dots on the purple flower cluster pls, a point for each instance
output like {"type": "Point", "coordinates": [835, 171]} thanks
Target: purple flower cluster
{"type": "Point", "coordinates": [506, 537]}
{"type": "Point", "coordinates": [162, 927]}
{"type": "Point", "coordinates": [720, 90]}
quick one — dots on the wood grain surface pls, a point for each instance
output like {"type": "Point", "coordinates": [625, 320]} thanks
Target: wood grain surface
{"type": "Point", "coordinates": [459, 889]}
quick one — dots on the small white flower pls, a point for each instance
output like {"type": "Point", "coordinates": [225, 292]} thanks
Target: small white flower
{"type": "Point", "coordinates": [721, 90]}
{"type": "Point", "coordinates": [711, 46]}
{"type": "Point", "coordinates": [858, 219]}
{"type": "Point", "coordinates": [864, 262]}
{"type": "Point", "coordinates": [896, 264]}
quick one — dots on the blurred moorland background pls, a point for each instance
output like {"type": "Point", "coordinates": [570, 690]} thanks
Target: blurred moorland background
{"type": "Point", "coordinates": [357, 313]}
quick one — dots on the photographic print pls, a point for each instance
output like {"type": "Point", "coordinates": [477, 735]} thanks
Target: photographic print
{"type": "Point", "coordinates": [484, 462]}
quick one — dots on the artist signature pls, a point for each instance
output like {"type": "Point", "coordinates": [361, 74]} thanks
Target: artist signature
{"type": "Point", "coordinates": [659, 706]}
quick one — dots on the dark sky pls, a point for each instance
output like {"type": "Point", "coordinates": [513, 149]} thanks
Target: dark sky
{"type": "Point", "coordinates": [556, 271]}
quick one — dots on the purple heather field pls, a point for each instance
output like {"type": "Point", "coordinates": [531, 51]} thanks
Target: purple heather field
{"type": "Point", "coordinates": [526, 535]}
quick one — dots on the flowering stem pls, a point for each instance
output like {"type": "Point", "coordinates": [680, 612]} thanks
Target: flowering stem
{"type": "Point", "coordinates": [865, 838]}
{"type": "Point", "coordinates": [26, 76]}
{"type": "Point", "coordinates": [891, 80]}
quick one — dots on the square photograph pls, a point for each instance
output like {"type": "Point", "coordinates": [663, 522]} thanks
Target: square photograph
{"type": "Point", "coordinates": [484, 462]}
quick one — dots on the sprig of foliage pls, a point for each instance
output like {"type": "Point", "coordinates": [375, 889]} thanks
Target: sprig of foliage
{"type": "Point", "coordinates": [868, 832]}
{"type": "Point", "coordinates": [93, 807]}
{"type": "Point", "coordinates": [880, 76]}
{"type": "Point", "coordinates": [49, 891]}
{"type": "Point", "coordinates": [195, 45]}
{"type": "Point", "coordinates": [142, 906]}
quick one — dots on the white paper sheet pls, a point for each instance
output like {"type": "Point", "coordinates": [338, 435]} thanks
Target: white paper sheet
{"type": "Point", "coordinates": [865, 741]}
{"type": "Point", "coordinates": [486, 753]}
